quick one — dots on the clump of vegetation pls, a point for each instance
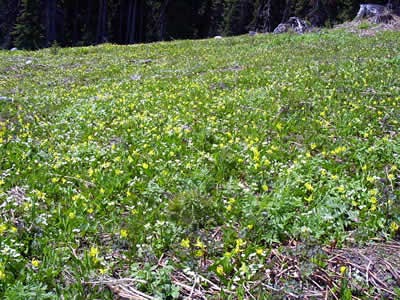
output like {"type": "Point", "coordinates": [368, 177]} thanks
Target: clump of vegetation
{"type": "Point", "coordinates": [364, 25]}
{"type": "Point", "coordinates": [196, 160]}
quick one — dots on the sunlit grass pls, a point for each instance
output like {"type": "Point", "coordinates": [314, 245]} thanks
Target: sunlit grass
{"type": "Point", "coordinates": [112, 156]}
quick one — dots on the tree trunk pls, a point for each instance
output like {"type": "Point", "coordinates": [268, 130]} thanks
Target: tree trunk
{"type": "Point", "coordinates": [267, 16]}
{"type": "Point", "coordinates": [75, 23]}
{"type": "Point", "coordinates": [287, 11]}
{"type": "Point", "coordinates": [140, 29]}
{"type": "Point", "coordinates": [128, 22]}
{"type": "Point", "coordinates": [102, 22]}
{"type": "Point", "coordinates": [132, 22]}
{"type": "Point", "coordinates": [163, 20]}
{"type": "Point", "coordinates": [51, 8]}
{"type": "Point", "coordinates": [121, 10]}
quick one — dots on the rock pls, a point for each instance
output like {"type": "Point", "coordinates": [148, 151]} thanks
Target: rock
{"type": "Point", "coordinates": [142, 61]}
{"type": "Point", "coordinates": [370, 10]}
{"type": "Point", "coordinates": [252, 33]}
{"type": "Point", "coordinates": [136, 77]}
{"type": "Point", "coordinates": [293, 24]}
{"type": "Point", "coordinates": [281, 28]}
{"type": "Point", "coordinates": [2, 98]}
{"type": "Point", "coordinates": [217, 37]}
{"type": "Point", "coordinates": [28, 62]}
{"type": "Point", "coordinates": [219, 86]}
{"type": "Point", "coordinates": [14, 49]}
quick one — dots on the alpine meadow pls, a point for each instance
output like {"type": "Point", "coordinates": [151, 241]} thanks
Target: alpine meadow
{"type": "Point", "coordinates": [248, 167]}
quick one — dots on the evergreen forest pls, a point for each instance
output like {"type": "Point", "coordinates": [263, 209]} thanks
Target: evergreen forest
{"type": "Point", "coordinates": [34, 24]}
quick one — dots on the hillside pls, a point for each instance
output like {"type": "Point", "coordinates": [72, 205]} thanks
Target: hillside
{"type": "Point", "coordinates": [245, 167]}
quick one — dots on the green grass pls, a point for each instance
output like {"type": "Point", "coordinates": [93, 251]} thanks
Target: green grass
{"type": "Point", "coordinates": [114, 156]}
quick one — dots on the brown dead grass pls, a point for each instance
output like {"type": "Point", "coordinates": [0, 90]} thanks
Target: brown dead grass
{"type": "Point", "coordinates": [295, 271]}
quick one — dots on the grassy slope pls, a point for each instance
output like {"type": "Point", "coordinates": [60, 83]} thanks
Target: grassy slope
{"type": "Point", "coordinates": [126, 153]}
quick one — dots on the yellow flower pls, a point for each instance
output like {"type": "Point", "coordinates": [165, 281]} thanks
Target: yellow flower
{"type": "Point", "coordinates": [308, 186]}
{"type": "Point", "coordinates": [343, 270]}
{"type": "Point", "coordinates": [199, 253]}
{"type": "Point", "coordinates": [94, 251]}
{"type": "Point", "coordinates": [229, 208]}
{"type": "Point", "coordinates": [185, 243]}
{"type": "Point", "coordinates": [256, 154]}
{"type": "Point", "coordinates": [123, 233]}
{"type": "Point", "coordinates": [102, 271]}
{"type": "Point", "coordinates": [71, 215]}
{"type": "Point", "coordinates": [267, 162]}
{"type": "Point", "coordinates": [373, 192]}
{"type": "Point", "coordinates": [371, 179]}
{"type": "Point", "coordinates": [250, 226]}
{"type": "Point", "coordinates": [394, 226]}
{"type": "Point", "coordinates": [240, 243]}
{"type": "Point", "coordinates": [35, 263]}
{"type": "Point", "coordinates": [259, 251]}
{"type": "Point", "coordinates": [199, 244]}
{"type": "Point", "coordinates": [341, 189]}
{"type": "Point", "coordinates": [2, 275]}
{"type": "Point", "coordinates": [373, 200]}
{"type": "Point", "coordinates": [390, 177]}
{"type": "Point", "coordinates": [41, 195]}
{"type": "Point", "coordinates": [145, 166]}
{"type": "Point", "coordinates": [228, 254]}
{"type": "Point", "coordinates": [309, 199]}
{"type": "Point", "coordinates": [220, 270]}
{"type": "Point", "coordinates": [265, 188]}
{"type": "Point", "coordinates": [3, 227]}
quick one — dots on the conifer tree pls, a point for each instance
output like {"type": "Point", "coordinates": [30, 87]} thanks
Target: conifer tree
{"type": "Point", "coordinates": [8, 15]}
{"type": "Point", "coordinates": [28, 31]}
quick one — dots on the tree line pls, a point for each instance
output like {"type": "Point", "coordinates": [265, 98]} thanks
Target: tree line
{"type": "Point", "coordinates": [33, 24]}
